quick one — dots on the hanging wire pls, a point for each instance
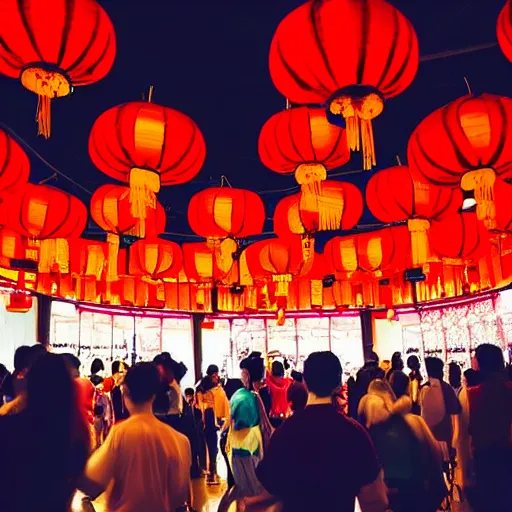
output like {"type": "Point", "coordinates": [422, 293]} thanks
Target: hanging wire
{"type": "Point", "coordinates": [224, 181]}
{"type": "Point", "coordinates": [27, 146]}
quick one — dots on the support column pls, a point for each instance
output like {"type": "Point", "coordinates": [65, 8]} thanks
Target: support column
{"type": "Point", "coordinates": [197, 334]}
{"type": "Point", "coordinates": [44, 310]}
{"type": "Point", "coordinates": [367, 332]}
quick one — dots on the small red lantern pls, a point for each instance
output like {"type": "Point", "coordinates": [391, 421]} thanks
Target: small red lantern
{"type": "Point", "coordinates": [350, 54]}
{"type": "Point", "coordinates": [14, 166]}
{"type": "Point", "coordinates": [19, 302]}
{"type": "Point", "coordinates": [504, 30]}
{"type": "Point", "coordinates": [221, 212]}
{"type": "Point", "coordinates": [52, 46]}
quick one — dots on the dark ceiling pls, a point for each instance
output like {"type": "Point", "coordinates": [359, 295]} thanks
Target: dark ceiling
{"type": "Point", "coordinates": [209, 60]}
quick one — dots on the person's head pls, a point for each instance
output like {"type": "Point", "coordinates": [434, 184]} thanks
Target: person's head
{"type": "Point", "coordinates": [472, 378]}
{"type": "Point", "coordinates": [296, 376]}
{"type": "Point", "coordinates": [413, 363]}
{"type": "Point", "coordinates": [189, 395]}
{"type": "Point", "coordinates": [53, 399]}
{"type": "Point", "coordinates": [22, 358]}
{"type": "Point", "coordinates": [399, 383]}
{"type": "Point", "coordinates": [490, 360]}
{"type": "Point", "coordinates": [73, 364]}
{"type": "Point", "coordinates": [206, 384]}
{"type": "Point", "coordinates": [213, 372]}
{"type": "Point", "coordinates": [385, 365]}
{"type": "Point", "coordinates": [383, 389]}
{"type": "Point", "coordinates": [397, 362]}
{"type": "Point", "coordinates": [435, 367]}
{"type": "Point", "coordinates": [118, 367]}
{"type": "Point", "coordinates": [141, 384]}
{"type": "Point", "coordinates": [232, 386]}
{"type": "Point", "coordinates": [372, 359]}
{"type": "Point", "coordinates": [277, 369]}
{"type": "Point", "coordinates": [297, 396]}
{"type": "Point", "coordinates": [97, 366]}
{"type": "Point", "coordinates": [253, 369]}
{"type": "Point", "coordinates": [454, 375]}
{"type": "Point", "coordinates": [322, 374]}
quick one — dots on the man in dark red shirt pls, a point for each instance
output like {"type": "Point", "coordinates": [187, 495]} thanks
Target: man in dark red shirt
{"type": "Point", "coordinates": [319, 459]}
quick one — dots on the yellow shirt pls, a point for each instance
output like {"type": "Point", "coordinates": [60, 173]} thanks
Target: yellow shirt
{"type": "Point", "coordinates": [145, 464]}
{"type": "Point", "coordinates": [214, 398]}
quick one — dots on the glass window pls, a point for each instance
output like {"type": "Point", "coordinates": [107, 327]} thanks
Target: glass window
{"type": "Point", "coordinates": [347, 342]}
{"type": "Point", "coordinates": [95, 339]}
{"type": "Point", "coordinates": [148, 338]}
{"type": "Point", "coordinates": [122, 335]}
{"type": "Point", "coordinates": [216, 346]}
{"type": "Point", "coordinates": [64, 327]}
{"type": "Point", "coordinates": [313, 336]}
{"type": "Point", "coordinates": [283, 338]}
{"type": "Point", "coordinates": [16, 329]}
{"type": "Point", "coordinates": [177, 339]}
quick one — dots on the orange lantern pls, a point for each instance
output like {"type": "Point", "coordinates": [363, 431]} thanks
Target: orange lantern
{"type": "Point", "coordinates": [461, 236]}
{"type": "Point", "coordinates": [52, 46]}
{"type": "Point", "coordinates": [373, 252]}
{"type": "Point", "coordinates": [504, 30]}
{"type": "Point", "coordinates": [379, 60]}
{"type": "Point", "coordinates": [155, 259]}
{"type": "Point", "coordinates": [393, 195]}
{"type": "Point", "coordinates": [110, 209]}
{"type": "Point", "coordinates": [48, 215]}
{"type": "Point", "coordinates": [14, 165]}
{"type": "Point", "coordinates": [221, 212]}
{"type": "Point", "coordinates": [19, 302]}
{"type": "Point", "coordinates": [502, 199]}
{"type": "Point", "coordinates": [146, 145]}
{"type": "Point", "coordinates": [301, 140]}
{"type": "Point", "coordinates": [277, 259]}
{"type": "Point", "coordinates": [466, 143]}
{"type": "Point", "coordinates": [339, 206]}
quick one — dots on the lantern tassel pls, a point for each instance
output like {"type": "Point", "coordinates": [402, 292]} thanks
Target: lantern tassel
{"type": "Point", "coordinates": [44, 116]}
{"type": "Point", "coordinates": [283, 281]}
{"type": "Point", "coordinates": [482, 182]}
{"type": "Point", "coordinates": [144, 185]}
{"type": "Point", "coordinates": [113, 252]}
{"type": "Point", "coordinates": [419, 240]}
{"type": "Point", "coordinates": [310, 176]}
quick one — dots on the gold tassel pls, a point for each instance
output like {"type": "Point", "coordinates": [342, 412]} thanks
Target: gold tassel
{"type": "Point", "coordinates": [47, 85]}
{"type": "Point", "coordinates": [317, 292]}
{"type": "Point", "coordinates": [144, 185]}
{"type": "Point", "coordinates": [310, 176]}
{"type": "Point", "coordinates": [283, 281]}
{"type": "Point", "coordinates": [482, 182]}
{"type": "Point", "coordinates": [358, 114]}
{"type": "Point", "coordinates": [113, 253]}
{"type": "Point", "coordinates": [419, 240]}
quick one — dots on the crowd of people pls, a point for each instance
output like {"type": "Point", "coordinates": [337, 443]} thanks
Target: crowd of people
{"type": "Point", "coordinates": [291, 441]}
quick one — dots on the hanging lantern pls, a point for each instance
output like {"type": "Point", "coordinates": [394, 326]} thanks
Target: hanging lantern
{"type": "Point", "coordinates": [223, 212]}
{"type": "Point", "coordinates": [339, 206]}
{"type": "Point", "coordinates": [14, 165]}
{"type": "Point", "coordinates": [11, 247]}
{"type": "Point", "coordinates": [503, 202]}
{"type": "Point", "coordinates": [110, 209]}
{"type": "Point", "coordinates": [147, 146]}
{"type": "Point", "coordinates": [302, 141]}
{"type": "Point", "coordinates": [155, 259]}
{"type": "Point", "coordinates": [378, 60]}
{"type": "Point", "coordinates": [461, 237]}
{"type": "Point", "coordinates": [52, 46]}
{"type": "Point", "coordinates": [19, 302]}
{"type": "Point", "coordinates": [278, 260]}
{"type": "Point", "coordinates": [504, 30]}
{"type": "Point", "coordinates": [466, 144]}
{"type": "Point", "coordinates": [319, 270]}
{"type": "Point", "coordinates": [393, 195]}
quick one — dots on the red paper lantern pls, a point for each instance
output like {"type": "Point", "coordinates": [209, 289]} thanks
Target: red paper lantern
{"type": "Point", "coordinates": [110, 209]}
{"type": "Point", "coordinates": [339, 206]}
{"type": "Point", "coordinates": [14, 165]}
{"type": "Point", "coordinates": [43, 212]}
{"type": "Point", "coordinates": [301, 140]}
{"type": "Point", "coordinates": [52, 46]}
{"type": "Point", "coordinates": [466, 143]}
{"type": "Point", "coordinates": [504, 30]}
{"type": "Point", "coordinates": [155, 258]}
{"type": "Point", "coordinates": [350, 54]}
{"type": "Point", "coordinates": [204, 263]}
{"type": "Point", "coordinates": [393, 195]}
{"type": "Point", "coordinates": [19, 302]}
{"type": "Point", "coordinates": [503, 202]}
{"type": "Point", "coordinates": [460, 236]}
{"type": "Point", "coordinates": [146, 145]}
{"type": "Point", "coordinates": [222, 212]}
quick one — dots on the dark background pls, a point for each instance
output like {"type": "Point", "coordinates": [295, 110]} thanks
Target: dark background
{"type": "Point", "coordinates": [209, 59]}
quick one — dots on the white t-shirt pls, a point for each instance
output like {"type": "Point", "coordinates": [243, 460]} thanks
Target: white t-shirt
{"type": "Point", "coordinates": [145, 464]}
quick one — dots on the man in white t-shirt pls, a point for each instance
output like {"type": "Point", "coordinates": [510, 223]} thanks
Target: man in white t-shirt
{"type": "Point", "coordinates": [144, 463]}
